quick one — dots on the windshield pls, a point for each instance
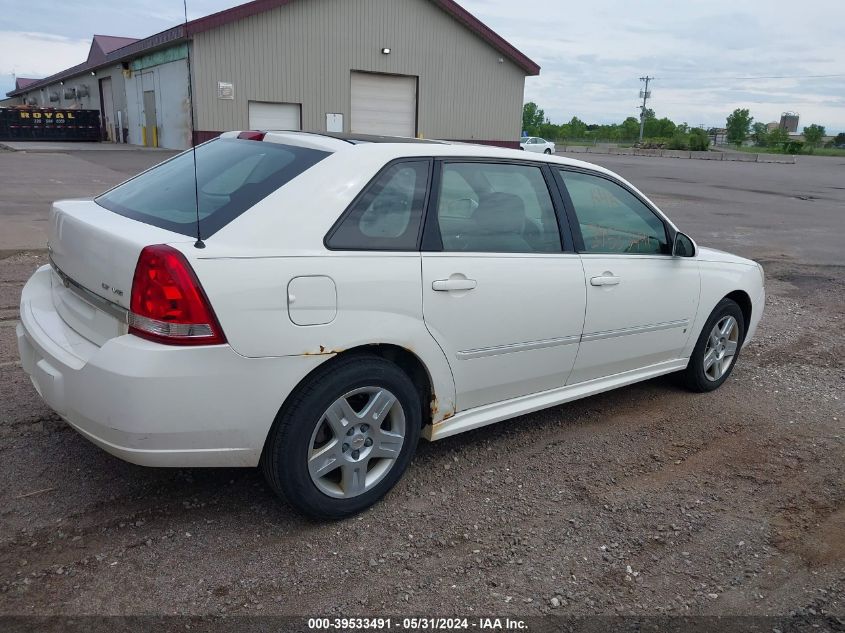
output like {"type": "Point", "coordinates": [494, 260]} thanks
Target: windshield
{"type": "Point", "coordinates": [232, 176]}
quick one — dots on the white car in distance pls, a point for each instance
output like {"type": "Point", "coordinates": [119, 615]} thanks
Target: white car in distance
{"type": "Point", "coordinates": [536, 144]}
{"type": "Point", "coordinates": [351, 295]}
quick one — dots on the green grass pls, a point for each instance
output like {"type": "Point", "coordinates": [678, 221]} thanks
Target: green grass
{"type": "Point", "coordinates": [816, 151]}
{"type": "Point", "coordinates": [586, 143]}
{"type": "Point", "coordinates": [589, 143]}
{"type": "Point", "coordinates": [826, 151]}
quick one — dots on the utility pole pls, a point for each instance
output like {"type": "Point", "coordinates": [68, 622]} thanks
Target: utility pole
{"type": "Point", "coordinates": [645, 94]}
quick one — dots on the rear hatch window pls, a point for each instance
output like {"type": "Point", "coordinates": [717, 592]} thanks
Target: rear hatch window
{"type": "Point", "coordinates": [232, 175]}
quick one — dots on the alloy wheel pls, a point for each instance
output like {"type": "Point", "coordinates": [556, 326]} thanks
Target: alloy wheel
{"type": "Point", "coordinates": [721, 348]}
{"type": "Point", "coordinates": [356, 442]}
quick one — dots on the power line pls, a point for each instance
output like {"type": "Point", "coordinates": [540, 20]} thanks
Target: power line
{"type": "Point", "coordinates": [787, 77]}
{"type": "Point", "coordinates": [723, 78]}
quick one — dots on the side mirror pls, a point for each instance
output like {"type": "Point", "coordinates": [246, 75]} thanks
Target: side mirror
{"type": "Point", "coordinates": [682, 245]}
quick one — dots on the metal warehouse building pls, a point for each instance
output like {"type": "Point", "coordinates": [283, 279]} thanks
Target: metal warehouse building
{"type": "Point", "coordinates": [398, 67]}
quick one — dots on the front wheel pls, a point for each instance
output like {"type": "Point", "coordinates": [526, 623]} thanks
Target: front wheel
{"type": "Point", "coordinates": [548, 151]}
{"type": "Point", "coordinates": [717, 348]}
{"type": "Point", "coordinates": [345, 438]}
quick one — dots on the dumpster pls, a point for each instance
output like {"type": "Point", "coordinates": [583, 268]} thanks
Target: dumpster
{"type": "Point", "coordinates": [25, 123]}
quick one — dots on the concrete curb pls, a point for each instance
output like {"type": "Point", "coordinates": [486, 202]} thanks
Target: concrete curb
{"type": "Point", "coordinates": [648, 152]}
{"type": "Point", "coordinates": [742, 158]}
{"type": "Point", "coordinates": [739, 157]}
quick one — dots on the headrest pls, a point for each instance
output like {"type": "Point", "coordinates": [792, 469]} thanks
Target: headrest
{"type": "Point", "coordinates": [500, 213]}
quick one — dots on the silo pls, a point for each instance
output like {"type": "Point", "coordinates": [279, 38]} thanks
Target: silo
{"type": "Point", "coordinates": [789, 122]}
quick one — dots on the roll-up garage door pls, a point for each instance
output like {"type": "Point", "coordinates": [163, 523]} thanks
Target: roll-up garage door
{"type": "Point", "coordinates": [264, 115]}
{"type": "Point", "coordinates": [384, 104]}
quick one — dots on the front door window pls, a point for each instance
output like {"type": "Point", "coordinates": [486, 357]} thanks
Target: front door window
{"type": "Point", "coordinates": [612, 219]}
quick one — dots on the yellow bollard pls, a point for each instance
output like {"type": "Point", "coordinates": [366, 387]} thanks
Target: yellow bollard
{"type": "Point", "coordinates": [155, 137]}
{"type": "Point", "coordinates": [144, 135]}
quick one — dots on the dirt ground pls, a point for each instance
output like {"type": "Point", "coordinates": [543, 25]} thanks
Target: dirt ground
{"type": "Point", "coordinates": [647, 500]}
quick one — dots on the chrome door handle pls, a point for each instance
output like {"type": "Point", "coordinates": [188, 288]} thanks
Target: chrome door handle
{"type": "Point", "coordinates": [442, 285]}
{"type": "Point", "coordinates": [605, 280]}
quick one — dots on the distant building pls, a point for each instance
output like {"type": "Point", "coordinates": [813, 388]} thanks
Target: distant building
{"type": "Point", "coordinates": [23, 82]}
{"type": "Point", "coordinates": [395, 67]}
{"type": "Point", "coordinates": [772, 126]}
{"type": "Point", "coordinates": [718, 135]}
{"type": "Point", "coordinates": [789, 122]}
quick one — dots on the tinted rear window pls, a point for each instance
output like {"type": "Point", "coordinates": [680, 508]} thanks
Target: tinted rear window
{"type": "Point", "coordinates": [232, 176]}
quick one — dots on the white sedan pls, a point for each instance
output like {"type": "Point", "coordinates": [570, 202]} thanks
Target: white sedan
{"type": "Point", "coordinates": [347, 296]}
{"type": "Point", "coordinates": [537, 144]}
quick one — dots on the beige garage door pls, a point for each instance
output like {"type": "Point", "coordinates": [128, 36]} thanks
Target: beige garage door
{"type": "Point", "coordinates": [264, 115]}
{"type": "Point", "coordinates": [384, 104]}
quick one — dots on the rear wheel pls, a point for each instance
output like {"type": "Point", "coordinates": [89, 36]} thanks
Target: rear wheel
{"type": "Point", "coordinates": [345, 438]}
{"type": "Point", "coordinates": [548, 151]}
{"type": "Point", "coordinates": [717, 348]}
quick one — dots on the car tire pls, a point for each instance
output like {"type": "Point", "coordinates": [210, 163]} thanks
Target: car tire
{"type": "Point", "coordinates": [315, 430]}
{"type": "Point", "coordinates": [716, 351]}
{"type": "Point", "coordinates": [547, 151]}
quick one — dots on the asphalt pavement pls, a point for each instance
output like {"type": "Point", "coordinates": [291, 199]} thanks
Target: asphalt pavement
{"type": "Point", "coordinates": [647, 500]}
{"type": "Point", "coordinates": [759, 210]}
{"type": "Point", "coordinates": [762, 210]}
{"type": "Point", "coordinates": [31, 180]}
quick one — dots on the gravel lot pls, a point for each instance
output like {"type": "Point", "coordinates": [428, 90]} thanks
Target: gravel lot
{"type": "Point", "coordinates": [648, 500]}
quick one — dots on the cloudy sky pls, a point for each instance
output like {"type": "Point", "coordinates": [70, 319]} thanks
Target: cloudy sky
{"type": "Point", "coordinates": [708, 57]}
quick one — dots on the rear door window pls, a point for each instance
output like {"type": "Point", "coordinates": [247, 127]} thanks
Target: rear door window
{"type": "Point", "coordinates": [232, 175]}
{"type": "Point", "coordinates": [387, 216]}
{"type": "Point", "coordinates": [494, 207]}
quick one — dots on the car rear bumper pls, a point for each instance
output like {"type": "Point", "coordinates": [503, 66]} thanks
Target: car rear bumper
{"type": "Point", "coordinates": [153, 404]}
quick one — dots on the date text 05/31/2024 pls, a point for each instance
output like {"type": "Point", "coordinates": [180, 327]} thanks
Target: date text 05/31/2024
{"type": "Point", "coordinates": [415, 624]}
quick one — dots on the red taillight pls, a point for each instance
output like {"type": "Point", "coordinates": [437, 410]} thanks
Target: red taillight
{"type": "Point", "coordinates": [168, 305]}
{"type": "Point", "coordinates": [252, 135]}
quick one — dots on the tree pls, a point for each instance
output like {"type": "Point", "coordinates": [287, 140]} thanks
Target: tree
{"type": "Point", "coordinates": [630, 129]}
{"type": "Point", "coordinates": [549, 131]}
{"type": "Point", "coordinates": [679, 140]}
{"type": "Point", "coordinates": [577, 128]}
{"type": "Point", "coordinates": [760, 133]}
{"type": "Point", "coordinates": [839, 139]}
{"type": "Point", "coordinates": [659, 128]}
{"type": "Point", "coordinates": [738, 124]}
{"type": "Point", "coordinates": [532, 117]}
{"type": "Point", "coordinates": [777, 137]}
{"type": "Point", "coordinates": [608, 132]}
{"type": "Point", "coordinates": [698, 140]}
{"type": "Point", "coordinates": [813, 134]}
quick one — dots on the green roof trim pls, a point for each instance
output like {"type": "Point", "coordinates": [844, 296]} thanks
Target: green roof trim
{"type": "Point", "coordinates": [172, 54]}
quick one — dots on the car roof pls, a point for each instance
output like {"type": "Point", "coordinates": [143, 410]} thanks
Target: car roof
{"type": "Point", "coordinates": [355, 139]}
{"type": "Point", "coordinates": [346, 169]}
{"type": "Point", "coordinates": [395, 147]}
